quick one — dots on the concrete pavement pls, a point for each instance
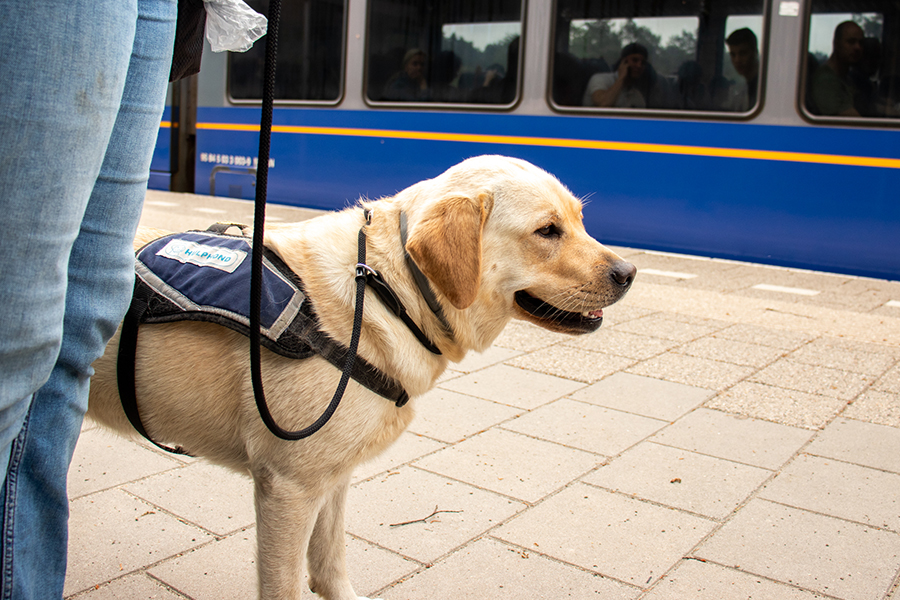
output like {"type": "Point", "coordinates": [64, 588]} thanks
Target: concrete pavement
{"type": "Point", "coordinates": [731, 432]}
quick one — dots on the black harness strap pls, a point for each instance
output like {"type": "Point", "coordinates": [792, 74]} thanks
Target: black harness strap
{"type": "Point", "coordinates": [422, 281]}
{"type": "Point", "coordinates": [390, 299]}
{"type": "Point", "coordinates": [126, 363]}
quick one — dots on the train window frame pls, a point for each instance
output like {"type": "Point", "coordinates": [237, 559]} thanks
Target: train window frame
{"type": "Point", "coordinates": [341, 78]}
{"type": "Point", "coordinates": [803, 87]}
{"type": "Point", "coordinates": [420, 105]}
{"type": "Point", "coordinates": [669, 113]}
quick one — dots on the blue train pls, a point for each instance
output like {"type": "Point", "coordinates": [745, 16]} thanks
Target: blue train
{"type": "Point", "coordinates": [757, 130]}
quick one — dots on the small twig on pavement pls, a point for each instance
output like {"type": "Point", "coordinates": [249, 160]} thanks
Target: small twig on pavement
{"type": "Point", "coordinates": [425, 519]}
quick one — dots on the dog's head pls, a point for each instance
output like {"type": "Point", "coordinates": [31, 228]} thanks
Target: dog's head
{"type": "Point", "coordinates": [502, 232]}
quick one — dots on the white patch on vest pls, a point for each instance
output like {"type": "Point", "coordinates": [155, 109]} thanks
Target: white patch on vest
{"type": "Point", "coordinates": [224, 259]}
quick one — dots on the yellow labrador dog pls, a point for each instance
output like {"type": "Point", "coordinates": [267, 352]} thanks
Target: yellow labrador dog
{"type": "Point", "coordinates": [497, 238]}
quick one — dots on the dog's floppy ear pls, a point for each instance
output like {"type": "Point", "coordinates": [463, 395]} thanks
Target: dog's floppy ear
{"type": "Point", "coordinates": [445, 244]}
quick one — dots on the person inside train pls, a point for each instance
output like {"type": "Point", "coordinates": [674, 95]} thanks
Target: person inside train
{"type": "Point", "coordinates": [833, 92]}
{"type": "Point", "coordinates": [443, 73]}
{"type": "Point", "coordinates": [864, 77]}
{"type": "Point", "coordinates": [501, 88]}
{"type": "Point", "coordinates": [633, 83]}
{"type": "Point", "coordinates": [690, 89]}
{"type": "Point", "coordinates": [743, 49]}
{"type": "Point", "coordinates": [409, 83]}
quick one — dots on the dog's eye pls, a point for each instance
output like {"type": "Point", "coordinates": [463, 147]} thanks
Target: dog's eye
{"type": "Point", "coordinates": [549, 231]}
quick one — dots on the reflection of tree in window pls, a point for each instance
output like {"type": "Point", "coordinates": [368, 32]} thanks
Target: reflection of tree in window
{"type": "Point", "coordinates": [604, 39]}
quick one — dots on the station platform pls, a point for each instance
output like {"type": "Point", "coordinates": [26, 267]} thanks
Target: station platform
{"type": "Point", "coordinates": [731, 432]}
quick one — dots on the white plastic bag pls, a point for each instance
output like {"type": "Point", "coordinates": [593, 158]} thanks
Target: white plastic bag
{"type": "Point", "coordinates": [232, 25]}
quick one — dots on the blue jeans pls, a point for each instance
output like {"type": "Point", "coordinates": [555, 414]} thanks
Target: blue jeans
{"type": "Point", "coordinates": [82, 88]}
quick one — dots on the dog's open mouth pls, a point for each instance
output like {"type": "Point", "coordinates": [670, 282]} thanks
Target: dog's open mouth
{"type": "Point", "coordinates": [557, 318]}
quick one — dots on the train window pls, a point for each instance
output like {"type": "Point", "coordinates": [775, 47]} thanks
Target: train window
{"type": "Point", "coordinates": [310, 54]}
{"type": "Point", "coordinates": [695, 55]}
{"type": "Point", "coordinates": [852, 66]}
{"type": "Point", "coordinates": [464, 52]}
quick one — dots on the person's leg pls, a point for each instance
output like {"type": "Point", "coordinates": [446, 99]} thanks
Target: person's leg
{"type": "Point", "coordinates": [62, 72]}
{"type": "Point", "coordinates": [99, 284]}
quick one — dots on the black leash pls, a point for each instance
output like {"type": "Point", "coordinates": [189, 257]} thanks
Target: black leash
{"type": "Point", "coordinates": [259, 216]}
{"type": "Point", "coordinates": [364, 274]}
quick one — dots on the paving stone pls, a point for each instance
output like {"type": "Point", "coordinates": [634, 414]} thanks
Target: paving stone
{"type": "Point", "coordinates": [585, 426]}
{"type": "Point", "coordinates": [729, 281]}
{"type": "Point", "coordinates": [525, 337]}
{"type": "Point", "coordinates": [513, 386]}
{"type": "Point", "coordinates": [859, 301]}
{"type": "Point", "coordinates": [622, 343]}
{"type": "Point", "coordinates": [797, 278]}
{"type": "Point", "coordinates": [111, 534]}
{"type": "Point", "coordinates": [731, 351]}
{"type": "Point", "coordinates": [372, 568]}
{"type": "Point", "coordinates": [490, 569]}
{"type": "Point", "coordinates": [475, 361]}
{"type": "Point", "coordinates": [407, 448]}
{"type": "Point", "coordinates": [646, 396]}
{"type": "Point", "coordinates": [860, 443]}
{"type": "Point", "coordinates": [896, 593]}
{"type": "Point", "coordinates": [889, 382]}
{"type": "Point", "coordinates": [813, 379]}
{"type": "Point", "coordinates": [859, 294]}
{"type": "Point", "coordinates": [695, 580]}
{"type": "Point", "coordinates": [754, 334]}
{"type": "Point", "coordinates": [665, 261]}
{"type": "Point", "coordinates": [571, 363]}
{"type": "Point", "coordinates": [623, 538]}
{"type": "Point", "coordinates": [624, 311]}
{"type": "Point", "coordinates": [511, 464]}
{"type": "Point", "coordinates": [735, 437]}
{"type": "Point", "coordinates": [876, 407]}
{"type": "Point", "coordinates": [207, 495]}
{"type": "Point", "coordinates": [409, 494]}
{"type": "Point", "coordinates": [813, 551]}
{"type": "Point", "coordinates": [449, 374]}
{"type": "Point", "coordinates": [778, 405]}
{"type": "Point", "coordinates": [838, 354]}
{"type": "Point", "coordinates": [226, 569]}
{"type": "Point", "coordinates": [690, 370]}
{"type": "Point", "coordinates": [103, 460]}
{"type": "Point", "coordinates": [133, 586]}
{"type": "Point", "coordinates": [890, 311]}
{"type": "Point", "coordinates": [222, 570]}
{"type": "Point", "coordinates": [839, 489]}
{"type": "Point", "coordinates": [450, 416]}
{"type": "Point", "coordinates": [671, 326]}
{"type": "Point", "coordinates": [708, 486]}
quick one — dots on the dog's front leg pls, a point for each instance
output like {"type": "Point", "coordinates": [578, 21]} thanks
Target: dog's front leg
{"type": "Point", "coordinates": [326, 555]}
{"type": "Point", "coordinates": [285, 515]}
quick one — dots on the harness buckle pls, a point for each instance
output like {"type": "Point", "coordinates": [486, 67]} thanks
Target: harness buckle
{"type": "Point", "coordinates": [364, 271]}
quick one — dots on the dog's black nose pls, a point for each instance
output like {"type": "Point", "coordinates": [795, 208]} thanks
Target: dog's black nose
{"type": "Point", "coordinates": [623, 273]}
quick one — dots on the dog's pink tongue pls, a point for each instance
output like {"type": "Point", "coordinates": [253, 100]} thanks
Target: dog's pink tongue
{"type": "Point", "coordinates": [597, 314]}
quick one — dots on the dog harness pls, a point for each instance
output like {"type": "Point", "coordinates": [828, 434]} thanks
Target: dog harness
{"type": "Point", "coordinates": [205, 276]}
